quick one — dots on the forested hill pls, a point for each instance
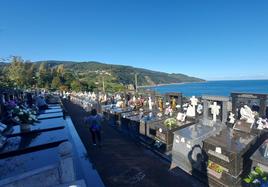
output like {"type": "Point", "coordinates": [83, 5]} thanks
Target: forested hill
{"type": "Point", "coordinates": [119, 73]}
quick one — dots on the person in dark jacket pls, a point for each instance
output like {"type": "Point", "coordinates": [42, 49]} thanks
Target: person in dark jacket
{"type": "Point", "coordinates": [94, 122]}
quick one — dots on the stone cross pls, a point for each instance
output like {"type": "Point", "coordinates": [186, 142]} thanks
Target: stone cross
{"type": "Point", "coordinates": [215, 110]}
{"type": "Point", "coordinates": [231, 118]}
{"type": "Point", "coordinates": [194, 101]}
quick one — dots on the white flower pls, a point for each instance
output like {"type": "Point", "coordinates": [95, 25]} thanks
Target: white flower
{"type": "Point", "coordinates": [30, 119]}
{"type": "Point", "coordinates": [20, 113]}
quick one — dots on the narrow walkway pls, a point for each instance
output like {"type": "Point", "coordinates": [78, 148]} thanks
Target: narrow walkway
{"type": "Point", "coordinates": [123, 163]}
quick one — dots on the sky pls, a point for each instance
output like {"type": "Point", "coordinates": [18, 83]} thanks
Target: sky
{"type": "Point", "coordinates": [210, 39]}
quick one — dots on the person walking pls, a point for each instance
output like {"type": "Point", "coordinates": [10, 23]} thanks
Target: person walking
{"type": "Point", "coordinates": [94, 122]}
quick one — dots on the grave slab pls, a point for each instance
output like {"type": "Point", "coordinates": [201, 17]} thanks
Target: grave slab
{"type": "Point", "coordinates": [25, 143]}
{"type": "Point", "coordinates": [51, 115]}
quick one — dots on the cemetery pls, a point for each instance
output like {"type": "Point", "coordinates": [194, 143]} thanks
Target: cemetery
{"type": "Point", "coordinates": [214, 138]}
{"type": "Point", "coordinates": [218, 140]}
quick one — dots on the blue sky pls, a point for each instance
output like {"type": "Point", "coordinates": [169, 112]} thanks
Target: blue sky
{"type": "Point", "coordinates": [216, 39]}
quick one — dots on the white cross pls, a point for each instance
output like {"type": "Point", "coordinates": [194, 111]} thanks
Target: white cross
{"type": "Point", "coordinates": [150, 104]}
{"type": "Point", "coordinates": [194, 101]}
{"type": "Point", "coordinates": [231, 118]}
{"type": "Point", "coordinates": [215, 110]}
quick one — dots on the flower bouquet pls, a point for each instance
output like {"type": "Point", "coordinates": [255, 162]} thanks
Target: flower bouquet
{"type": "Point", "coordinates": [170, 123]}
{"type": "Point", "coordinates": [24, 116]}
{"type": "Point", "coordinates": [257, 177]}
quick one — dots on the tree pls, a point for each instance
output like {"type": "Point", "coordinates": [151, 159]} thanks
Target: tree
{"type": "Point", "coordinates": [44, 76]}
{"type": "Point", "coordinates": [68, 77]}
{"type": "Point", "coordinates": [76, 85]}
{"type": "Point", "coordinates": [30, 74]}
{"type": "Point", "coordinates": [60, 70]}
{"type": "Point", "coordinates": [56, 83]}
{"type": "Point", "coordinates": [16, 72]}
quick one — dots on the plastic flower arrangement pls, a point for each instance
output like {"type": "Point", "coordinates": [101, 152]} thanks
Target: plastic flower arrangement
{"type": "Point", "coordinates": [257, 177]}
{"type": "Point", "coordinates": [170, 122]}
{"type": "Point", "coordinates": [24, 115]}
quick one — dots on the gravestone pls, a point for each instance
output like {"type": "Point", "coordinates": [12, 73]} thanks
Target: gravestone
{"type": "Point", "coordinates": [191, 109]}
{"type": "Point", "coordinates": [260, 157]}
{"type": "Point", "coordinates": [175, 100]}
{"type": "Point", "coordinates": [26, 143]}
{"type": "Point", "coordinates": [145, 135]}
{"type": "Point", "coordinates": [188, 140]}
{"type": "Point", "coordinates": [230, 150]}
{"type": "Point", "coordinates": [126, 119]}
{"type": "Point", "coordinates": [257, 102]}
{"type": "Point", "coordinates": [163, 134]}
{"type": "Point", "coordinates": [249, 108]}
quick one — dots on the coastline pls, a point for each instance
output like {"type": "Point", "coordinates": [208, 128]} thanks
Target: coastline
{"type": "Point", "coordinates": [167, 84]}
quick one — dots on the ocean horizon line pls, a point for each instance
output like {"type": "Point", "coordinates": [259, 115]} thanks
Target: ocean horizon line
{"type": "Point", "coordinates": [181, 83]}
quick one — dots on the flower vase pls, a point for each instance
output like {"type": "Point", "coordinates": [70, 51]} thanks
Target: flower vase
{"type": "Point", "coordinates": [25, 127]}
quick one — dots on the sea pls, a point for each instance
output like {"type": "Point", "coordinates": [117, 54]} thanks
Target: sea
{"type": "Point", "coordinates": [220, 88]}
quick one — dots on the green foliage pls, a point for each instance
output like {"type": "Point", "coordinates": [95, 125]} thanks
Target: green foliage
{"type": "Point", "coordinates": [86, 76]}
{"type": "Point", "coordinates": [170, 122]}
{"type": "Point", "coordinates": [76, 85]}
{"type": "Point", "coordinates": [56, 83]}
{"type": "Point", "coordinates": [256, 175]}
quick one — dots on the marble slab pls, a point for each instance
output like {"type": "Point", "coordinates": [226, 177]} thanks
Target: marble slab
{"type": "Point", "coordinates": [22, 144]}
{"type": "Point", "coordinates": [16, 165]}
{"type": "Point", "coordinates": [53, 110]}
{"type": "Point", "coordinates": [51, 115]}
{"type": "Point", "coordinates": [43, 125]}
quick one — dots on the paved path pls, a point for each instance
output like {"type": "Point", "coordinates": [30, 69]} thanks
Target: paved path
{"type": "Point", "coordinates": [123, 163]}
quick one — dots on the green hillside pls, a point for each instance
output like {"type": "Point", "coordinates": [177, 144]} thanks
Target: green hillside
{"type": "Point", "coordinates": [121, 74]}
{"type": "Point", "coordinates": [69, 75]}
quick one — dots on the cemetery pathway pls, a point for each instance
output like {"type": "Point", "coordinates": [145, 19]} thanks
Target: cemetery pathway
{"type": "Point", "coordinates": [121, 162]}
